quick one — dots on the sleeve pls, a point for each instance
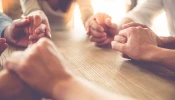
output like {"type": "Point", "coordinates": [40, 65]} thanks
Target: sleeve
{"type": "Point", "coordinates": [86, 9]}
{"type": "Point", "coordinates": [145, 13]}
{"type": "Point", "coordinates": [29, 5]}
{"type": "Point", "coordinates": [4, 22]}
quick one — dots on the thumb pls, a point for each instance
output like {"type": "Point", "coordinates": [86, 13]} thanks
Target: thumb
{"type": "Point", "coordinates": [112, 27]}
{"type": "Point", "coordinates": [20, 23]}
{"type": "Point", "coordinates": [109, 23]}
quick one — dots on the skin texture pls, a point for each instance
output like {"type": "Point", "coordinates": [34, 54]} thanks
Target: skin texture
{"type": "Point", "coordinates": [19, 32]}
{"type": "Point", "coordinates": [12, 88]}
{"type": "Point", "coordinates": [136, 38]}
{"type": "Point", "coordinates": [3, 45]}
{"type": "Point", "coordinates": [101, 29]}
{"type": "Point", "coordinates": [43, 60]}
{"type": "Point", "coordinates": [36, 57]}
{"type": "Point", "coordinates": [43, 20]}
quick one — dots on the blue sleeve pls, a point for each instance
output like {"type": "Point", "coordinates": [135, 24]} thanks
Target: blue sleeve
{"type": "Point", "coordinates": [4, 22]}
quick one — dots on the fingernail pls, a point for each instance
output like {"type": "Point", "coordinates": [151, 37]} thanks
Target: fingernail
{"type": "Point", "coordinates": [50, 35]}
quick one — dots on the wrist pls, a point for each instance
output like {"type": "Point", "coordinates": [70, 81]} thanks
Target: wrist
{"type": "Point", "coordinates": [61, 89]}
{"type": "Point", "coordinates": [162, 41]}
{"type": "Point", "coordinates": [7, 89]}
{"type": "Point", "coordinates": [167, 42]}
{"type": "Point", "coordinates": [154, 54]}
{"type": "Point", "coordinates": [150, 52]}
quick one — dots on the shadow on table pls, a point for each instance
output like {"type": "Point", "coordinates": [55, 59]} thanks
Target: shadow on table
{"type": "Point", "coordinates": [154, 68]}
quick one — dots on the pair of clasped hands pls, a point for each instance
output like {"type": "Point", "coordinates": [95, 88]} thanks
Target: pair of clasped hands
{"type": "Point", "coordinates": [130, 39]}
{"type": "Point", "coordinates": [25, 31]}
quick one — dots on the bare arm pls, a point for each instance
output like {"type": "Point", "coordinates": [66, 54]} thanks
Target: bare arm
{"type": "Point", "coordinates": [86, 9]}
{"type": "Point", "coordinates": [29, 6]}
{"type": "Point", "coordinates": [12, 88]}
{"type": "Point", "coordinates": [168, 42]}
{"type": "Point", "coordinates": [164, 56]}
{"type": "Point", "coordinates": [79, 89]}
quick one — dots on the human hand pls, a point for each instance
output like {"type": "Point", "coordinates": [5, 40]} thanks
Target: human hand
{"type": "Point", "coordinates": [101, 29]}
{"type": "Point", "coordinates": [3, 45]}
{"type": "Point", "coordinates": [41, 66]}
{"type": "Point", "coordinates": [19, 33]}
{"type": "Point", "coordinates": [137, 42]}
{"type": "Point", "coordinates": [36, 29]}
{"type": "Point", "coordinates": [42, 20]}
{"type": "Point", "coordinates": [12, 88]}
{"type": "Point", "coordinates": [133, 24]}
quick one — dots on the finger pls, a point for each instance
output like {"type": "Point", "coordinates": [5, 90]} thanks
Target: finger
{"type": "Point", "coordinates": [40, 29]}
{"type": "Point", "coordinates": [48, 32]}
{"type": "Point", "coordinates": [6, 45]}
{"type": "Point", "coordinates": [126, 32]}
{"type": "Point", "coordinates": [36, 22]}
{"type": "Point", "coordinates": [11, 63]}
{"type": "Point", "coordinates": [20, 23]}
{"type": "Point", "coordinates": [96, 26]}
{"type": "Point", "coordinates": [3, 46]}
{"type": "Point", "coordinates": [112, 27]}
{"type": "Point", "coordinates": [109, 23]}
{"type": "Point", "coordinates": [31, 24]}
{"type": "Point", "coordinates": [88, 31]}
{"type": "Point", "coordinates": [95, 39]}
{"type": "Point", "coordinates": [96, 33]}
{"type": "Point", "coordinates": [88, 22]}
{"type": "Point", "coordinates": [120, 39]}
{"type": "Point", "coordinates": [132, 24]}
{"type": "Point", "coordinates": [2, 40]}
{"type": "Point", "coordinates": [118, 46]}
{"type": "Point", "coordinates": [36, 37]}
{"type": "Point", "coordinates": [105, 42]}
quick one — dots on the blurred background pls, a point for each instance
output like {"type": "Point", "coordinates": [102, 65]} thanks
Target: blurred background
{"type": "Point", "coordinates": [118, 9]}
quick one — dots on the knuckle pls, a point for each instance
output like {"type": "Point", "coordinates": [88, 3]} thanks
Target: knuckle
{"type": "Point", "coordinates": [132, 29]}
{"type": "Point", "coordinates": [115, 37]}
{"type": "Point", "coordinates": [145, 26]}
{"type": "Point", "coordinates": [139, 28]}
{"type": "Point", "coordinates": [91, 38]}
{"type": "Point", "coordinates": [43, 41]}
{"type": "Point", "coordinates": [37, 17]}
{"type": "Point", "coordinates": [147, 29]}
{"type": "Point", "coordinates": [23, 67]}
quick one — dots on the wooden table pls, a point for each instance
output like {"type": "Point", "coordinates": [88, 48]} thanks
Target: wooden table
{"type": "Point", "coordinates": [108, 70]}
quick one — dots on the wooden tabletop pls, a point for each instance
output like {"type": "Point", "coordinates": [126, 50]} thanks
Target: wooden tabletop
{"type": "Point", "coordinates": [108, 70]}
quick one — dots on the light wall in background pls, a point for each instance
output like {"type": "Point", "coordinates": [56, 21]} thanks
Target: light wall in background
{"type": "Point", "coordinates": [117, 10]}
{"type": "Point", "coordinates": [0, 5]}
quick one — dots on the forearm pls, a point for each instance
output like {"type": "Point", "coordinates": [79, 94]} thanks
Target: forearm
{"type": "Point", "coordinates": [11, 88]}
{"type": "Point", "coordinates": [29, 6]}
{"type": "Point", "coordinates": [79, 89]}
{"type": "Point", "coordinates": [168, 42]}
{"type": "Point", "coordinates": [86, 9]}
{"type": "Point", "coordinates": [164, 56]}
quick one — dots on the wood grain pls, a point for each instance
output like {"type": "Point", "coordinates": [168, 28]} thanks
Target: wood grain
{"type": "Point", "coordinates": [108, 70]}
